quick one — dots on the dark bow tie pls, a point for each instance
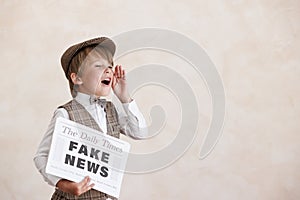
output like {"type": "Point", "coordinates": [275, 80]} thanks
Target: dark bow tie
{"type": "Point", "coordinates": [101, 102]}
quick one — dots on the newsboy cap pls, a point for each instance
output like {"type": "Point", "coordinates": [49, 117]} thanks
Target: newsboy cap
{"type": "Point", "coordinates": [73, 50]}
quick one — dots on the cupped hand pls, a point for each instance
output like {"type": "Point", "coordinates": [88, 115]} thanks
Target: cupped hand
{"type": "Point", "coordinates": [119, 85]}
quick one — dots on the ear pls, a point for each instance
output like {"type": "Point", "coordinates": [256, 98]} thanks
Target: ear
{"type": "Point", "coordinates": [75, 79]}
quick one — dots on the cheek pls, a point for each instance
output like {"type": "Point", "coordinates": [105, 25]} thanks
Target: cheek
{"type": "Point", "coordinates": [93, 77]}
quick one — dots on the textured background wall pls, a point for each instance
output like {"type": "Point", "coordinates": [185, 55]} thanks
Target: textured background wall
{"type": "Point", "coordinates": [255, 46]}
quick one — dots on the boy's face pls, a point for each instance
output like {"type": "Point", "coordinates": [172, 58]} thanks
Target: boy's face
{"type": "Point", "coordinates": [96, 76]}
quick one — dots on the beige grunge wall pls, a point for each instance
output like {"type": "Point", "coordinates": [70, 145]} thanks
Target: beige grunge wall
{"type": "Point", "coordinates": [255, 46]}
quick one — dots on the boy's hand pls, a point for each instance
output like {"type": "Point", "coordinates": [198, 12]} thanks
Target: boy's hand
{"type": "Point", "coordinates": [75, 188]}
{"type": "Point", "coordinates": [119, 85]}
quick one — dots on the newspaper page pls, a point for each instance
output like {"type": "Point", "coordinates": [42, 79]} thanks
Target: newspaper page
{"type": "Point", "coordinates": [78, 151]}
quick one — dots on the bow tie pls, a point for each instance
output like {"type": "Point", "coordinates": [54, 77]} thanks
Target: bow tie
{"type": "Point", "coordinates": [101, 102]}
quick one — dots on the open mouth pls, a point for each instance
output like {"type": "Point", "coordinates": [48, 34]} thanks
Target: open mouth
{"type": "Point", "coordinates": [106, 81]}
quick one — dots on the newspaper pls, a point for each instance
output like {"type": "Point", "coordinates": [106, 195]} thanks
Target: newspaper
{"type": "Point", "coordinates": [78, 151]}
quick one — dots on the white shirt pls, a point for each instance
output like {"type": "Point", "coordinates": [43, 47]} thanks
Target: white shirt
{"type": "Point", "coordinates": [132, 124]}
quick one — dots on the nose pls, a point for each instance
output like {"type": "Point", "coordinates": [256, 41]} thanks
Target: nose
{"type": "Point", "coordinates": [108, 70]}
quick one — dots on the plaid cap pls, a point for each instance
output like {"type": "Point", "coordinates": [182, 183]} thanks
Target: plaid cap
{"type": "Point", "coordinates": [73, 50]}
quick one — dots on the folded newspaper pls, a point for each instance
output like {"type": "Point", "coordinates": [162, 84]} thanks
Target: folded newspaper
{"type": "Point", "coordinates": [78, 151]}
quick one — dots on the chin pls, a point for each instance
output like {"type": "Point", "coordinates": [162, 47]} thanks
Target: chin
{"type": "Point", "coordinates": [103, 93]}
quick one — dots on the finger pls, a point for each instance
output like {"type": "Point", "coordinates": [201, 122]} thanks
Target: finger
{"type": "Point", "coordinates": [81, 186]}
{"type": "Point", "coordinates": [120, 72]}
{"type": "Point", "coordinates": [85, 181]}
{"type": "Point", "coordinates": [87, 187]}
{"type": "Point", "coordinates": [123, 73]}
{"type": "Point", "coordinates": [117, 71]}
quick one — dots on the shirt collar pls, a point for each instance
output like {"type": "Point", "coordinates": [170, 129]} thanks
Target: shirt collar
{"type": "Point", "coordinates": [84, 99]}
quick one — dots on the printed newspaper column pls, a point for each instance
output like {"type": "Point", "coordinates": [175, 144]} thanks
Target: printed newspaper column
{"type": "Point", "coordinates": [78, 151]}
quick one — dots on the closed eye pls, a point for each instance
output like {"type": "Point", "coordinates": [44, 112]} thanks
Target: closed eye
{"type": "Point", "coordinates": [99, 66]}
{"type": "Point", "coordinates": [110, 67]}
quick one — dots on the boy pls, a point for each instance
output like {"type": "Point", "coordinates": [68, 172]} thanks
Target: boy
{"type": "Point", "coordinates": [88, 67]}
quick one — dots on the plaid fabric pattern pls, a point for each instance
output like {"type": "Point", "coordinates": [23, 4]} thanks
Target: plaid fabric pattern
{"type": "Point", "coordinates": [79, 114]}
{"type": "Point", "coordinates": [112, 120]}
{"type": "Point", "coordinates": [89, 195]}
